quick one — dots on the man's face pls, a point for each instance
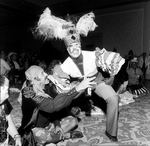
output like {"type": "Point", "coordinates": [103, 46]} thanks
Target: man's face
{"type": "Point", "coordinates": [14, 57]}
{"type": "Point", "coordinates": [74, 50]}
{"type": "Point", "coordinates": [3, 55]}
{"type": "Point", "coordinates": [123, 86]}
{"type": "Point", "coordinates": [134, 65]}
{"type": "Point", "coordinates": [4, 91]}
{"type": "Point", "coordinates": [58, 76]}
{"type": "Point", "coordinates": [43, 78]}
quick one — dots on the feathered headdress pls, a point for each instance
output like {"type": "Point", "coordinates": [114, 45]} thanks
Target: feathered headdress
{"type": "Point", "coordinates": [50, 27]}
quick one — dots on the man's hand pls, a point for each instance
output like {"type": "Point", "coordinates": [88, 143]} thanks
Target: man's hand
{"type": "Point", "coordinates": [86, 83]}
{"type": "Point", "coordinates": [60, 131]}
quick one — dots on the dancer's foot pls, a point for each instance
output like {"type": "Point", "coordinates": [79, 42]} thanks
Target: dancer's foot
{"type": "Point", "coordinates": [112, 138]}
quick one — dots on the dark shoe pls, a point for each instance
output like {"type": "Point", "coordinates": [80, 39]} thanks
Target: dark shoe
{"type": "Point", "coordinates": [75, 134]}
{"type": "Point", "coordinates": [112, 138]}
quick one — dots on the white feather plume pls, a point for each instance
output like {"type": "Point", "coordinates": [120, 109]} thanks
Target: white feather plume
{"type": "Point", "coordinates": [86, 23]}
{"type": "Point", "coordinates": [50, 26]}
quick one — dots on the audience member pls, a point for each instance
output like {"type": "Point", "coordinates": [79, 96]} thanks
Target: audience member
{"type": "Point", "coordinates": [128, 58]}
{"type": "Point", "coordinates": [26, 63]}
{"type": "Point", "coordinates": [130, 55]}
{"type": "Point", "coordinates": [142, 62]}
{"type": "Point", "coordinates": [6, 124]}
{"type": "Point", "coordinates": [41, 63]}
{"type": "Point", "coordinates": [59, 78]}
{"type": "Point", "coordinates": [65, 83]}
{"type": "Point", "coordinates": [120, 83]}
{"type": "Point", "coordinates": [148, 67]}
{"type": "Point", "coordinates": [4, 66]}
{"type": "Point", "coordinates": [120, 80]}
{"type": "Point", "coordinates": [34, 95]}
{"type": "Point", "coordinates": [60, 83]}
{"type": "Point", "coordinates": [16, 70]}
{"type": "Point", "coordinates": [135, 85]}
{"type": "Point", "coordinates": [21, 58]}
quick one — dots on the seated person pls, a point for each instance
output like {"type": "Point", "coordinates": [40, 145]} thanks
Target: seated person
{"type": "Point", "coordinates": [4, 66]}
{"type": "Point", "coordinates": [119, 85]}
{"type": "Point", "coordinates": [58, 79]}
{"type": "Point", "coordinates": [6, 124]}
{"type": "Point", "coordinates": [120, 80]}
{"type": "Point", "coordinates": [59, 83]}
{"type": "Point", "coordinates": [135, 74]}
{"type": "Point", "coordinates": [33, 96]}
{"type": "Point", "coordinates": [17, 72]}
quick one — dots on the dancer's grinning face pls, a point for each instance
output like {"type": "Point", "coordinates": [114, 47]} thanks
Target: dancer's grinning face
{"type": "Point", "coordinates": [74, 50]}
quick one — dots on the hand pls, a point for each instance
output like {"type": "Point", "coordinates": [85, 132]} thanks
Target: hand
{"type": "Point", "coordinates": [86, 83]}
{"type": "Point", "coordinates": [59, 130]}
{"type": "Point", "coordinates": [18, 141]}
{"type": "Point", "coordinates": [110, 80]}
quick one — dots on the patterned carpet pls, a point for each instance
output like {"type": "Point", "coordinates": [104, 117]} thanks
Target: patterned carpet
{"type": "Point", "coordinates": [134, 125]}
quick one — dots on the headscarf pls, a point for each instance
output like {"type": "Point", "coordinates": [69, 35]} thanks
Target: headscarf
{"type": "Point", "coordinates": [32, 74]}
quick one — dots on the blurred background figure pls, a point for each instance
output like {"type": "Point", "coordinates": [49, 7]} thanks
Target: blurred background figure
{"type": "Point", "coordinates": [6, 124]}
{"type": "Point", "coordinates": [148, 68]}
{"type": "Point", "coordinates": [115, 50]}
{"type": "Point", "coordinates": [143, 64]}
{"type": "Point", "coordinates": [135, 74]}
{"type": "Point", "coordinates": [4, 66]}
{"type": "Point", "coordinates": [17, 72]}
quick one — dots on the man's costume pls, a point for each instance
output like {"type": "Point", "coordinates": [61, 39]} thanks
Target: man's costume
{"type": "Point", "coordinates": [87, 64]}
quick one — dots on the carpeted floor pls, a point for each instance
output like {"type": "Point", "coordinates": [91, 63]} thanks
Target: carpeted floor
{"type": "Point", "coordinates": [133, 126]}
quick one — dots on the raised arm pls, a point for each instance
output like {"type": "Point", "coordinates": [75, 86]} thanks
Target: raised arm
{"type": "Point", "coordinates": [61, 100]}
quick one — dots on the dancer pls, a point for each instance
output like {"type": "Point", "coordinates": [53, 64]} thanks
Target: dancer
{"type": "Point", "coordinates": [81, 64]}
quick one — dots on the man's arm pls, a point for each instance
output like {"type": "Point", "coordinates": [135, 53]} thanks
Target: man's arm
{"type": "Point", "coordinates": [5, 64]}
{"type": "Point", "coordinates": [62, 100]}
{"type": "Point", "coordinates": [49, 104]}
{"type": "Point", "coordinates": [59, 102]}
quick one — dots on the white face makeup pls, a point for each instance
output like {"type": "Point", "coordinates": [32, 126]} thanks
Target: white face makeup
{"type": "Point", "coordinates": [74, 50]}
{"type": "Point", "coordinates": [4, 91]}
